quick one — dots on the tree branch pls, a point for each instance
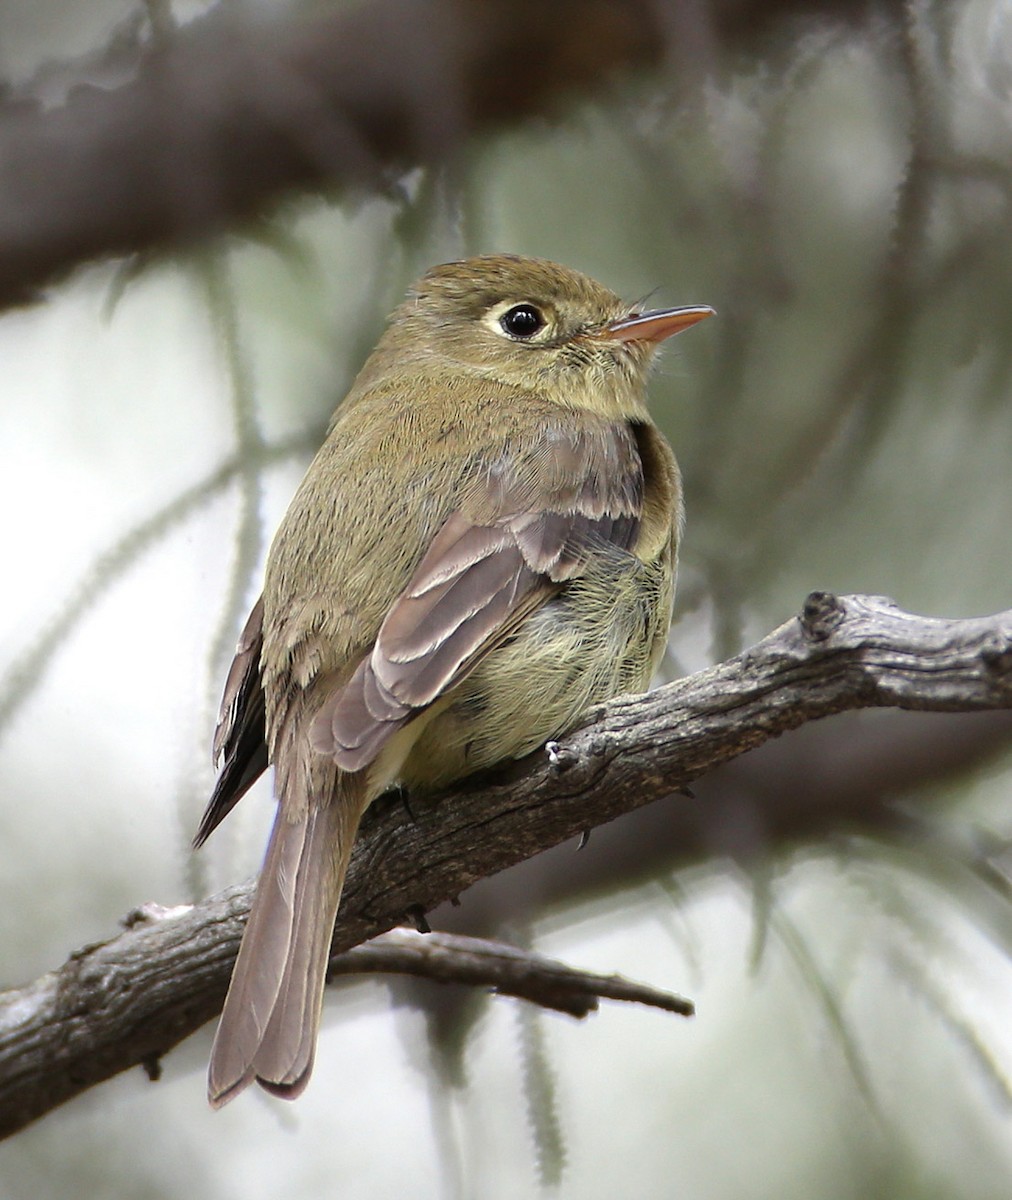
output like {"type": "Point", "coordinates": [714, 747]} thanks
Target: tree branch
{"type": "Point", "coordinates": [131, 999]}
{"type": "Point", "coordinates": [230, 114]}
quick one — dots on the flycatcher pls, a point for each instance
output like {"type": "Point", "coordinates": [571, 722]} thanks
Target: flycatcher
{"type": "Point", "coordinates": [483, 548]}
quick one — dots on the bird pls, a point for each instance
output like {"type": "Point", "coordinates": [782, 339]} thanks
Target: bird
{"type": "Point", "coordinates": [483, 548]}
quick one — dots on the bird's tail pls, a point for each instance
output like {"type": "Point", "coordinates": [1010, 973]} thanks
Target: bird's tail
{"type": "Point", "coordinates": [269, 1024]}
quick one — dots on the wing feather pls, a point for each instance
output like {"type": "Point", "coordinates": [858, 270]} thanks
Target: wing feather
{"type": "Point", "coordinates": [479, 578]}
{"type": "Point", "coordinates": [240, 738]}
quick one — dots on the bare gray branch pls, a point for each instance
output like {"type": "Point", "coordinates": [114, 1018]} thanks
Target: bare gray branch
{"type": "Point", "coordinates": [130, 1000]}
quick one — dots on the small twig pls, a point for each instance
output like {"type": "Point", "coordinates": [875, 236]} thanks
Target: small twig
{"type": "Point", "coordinates": [451, 958]}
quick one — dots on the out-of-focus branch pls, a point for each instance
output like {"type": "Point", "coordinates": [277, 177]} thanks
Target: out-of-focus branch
{"type": "Point", "coordinates": [232, 113]}
{"type": "Point", "coordinates": [130, 1000]}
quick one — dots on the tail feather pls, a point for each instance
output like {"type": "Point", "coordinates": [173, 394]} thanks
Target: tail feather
{"type": "Point", "coordinates": [284, 1058]}
{"type": "Point", "coordinates": [271, 1016]}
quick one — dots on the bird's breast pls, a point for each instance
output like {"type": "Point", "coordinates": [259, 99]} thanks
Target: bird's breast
{"type": "Point", "coordinates": [601, 636]}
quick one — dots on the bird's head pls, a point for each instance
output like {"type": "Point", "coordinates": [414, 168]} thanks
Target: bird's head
{"type": "Point", "coordinates": [535, 325]}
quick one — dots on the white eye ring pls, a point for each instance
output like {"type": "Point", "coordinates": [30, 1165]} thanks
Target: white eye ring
{"type": "Point", "coordinates": [519, 321]}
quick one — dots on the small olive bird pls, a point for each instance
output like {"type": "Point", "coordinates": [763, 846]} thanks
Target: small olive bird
{"type": "Point", "coordinates": [483, 548]}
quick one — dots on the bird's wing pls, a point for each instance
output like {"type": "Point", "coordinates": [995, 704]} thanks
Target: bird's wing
{"type": "Point", "coordinates": [240, 737]}
{"type": "Point", "coordinates": [525, 531]}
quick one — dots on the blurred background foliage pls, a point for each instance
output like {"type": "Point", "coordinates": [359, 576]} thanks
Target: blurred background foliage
{"type": "Point", "coordinates": [838, 903]}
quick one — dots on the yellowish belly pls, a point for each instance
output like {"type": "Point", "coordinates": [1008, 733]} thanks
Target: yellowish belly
{"type": "Point", "coordinates": [601, 637]}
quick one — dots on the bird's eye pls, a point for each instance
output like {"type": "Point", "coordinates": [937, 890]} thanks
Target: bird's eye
{"type": "Point", "coordinates": [522, 321]}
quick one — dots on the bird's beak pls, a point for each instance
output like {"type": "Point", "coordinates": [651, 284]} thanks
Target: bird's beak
{"type": "Point", "coordinates": [656, 326]}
